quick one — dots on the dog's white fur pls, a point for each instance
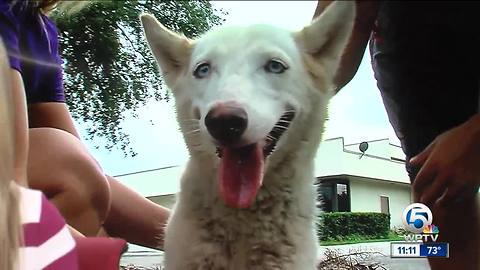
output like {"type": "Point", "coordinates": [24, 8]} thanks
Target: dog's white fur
{"type": "Point", "coordinates": [278, 230]}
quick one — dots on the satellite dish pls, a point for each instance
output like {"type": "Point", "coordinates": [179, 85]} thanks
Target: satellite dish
{"type": "Point", "coordinates": [363, 146]}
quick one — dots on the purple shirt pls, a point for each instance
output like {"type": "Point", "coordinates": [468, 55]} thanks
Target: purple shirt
{"type": "Point", "coordinates": [31, 39]}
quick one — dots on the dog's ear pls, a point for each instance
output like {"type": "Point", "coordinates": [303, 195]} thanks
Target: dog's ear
{"type": "Point", "coordinates": [171, 50]}
{"type": "Point", "coordinates": [324, 41]}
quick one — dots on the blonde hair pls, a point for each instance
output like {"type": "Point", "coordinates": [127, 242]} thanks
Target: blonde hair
{"type": "Point", "coordinates": [68, 7]}
{"type": "Point", "coordinates": [10, 223]}
{"type": "Point", "coordinates": [10, 234]}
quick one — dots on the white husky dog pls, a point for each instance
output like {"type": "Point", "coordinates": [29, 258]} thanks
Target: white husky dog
{"type": "Point", "coordinates": [251, 103]}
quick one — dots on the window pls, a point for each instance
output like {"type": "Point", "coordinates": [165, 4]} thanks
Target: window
{"type": "Point", "coordinates": [343, 199]}
{"type": "Point", "coordinates": [384, 205]}
{"type": "Point", "coordinates": [333, 195]}
{"type": "Point", "coordinates": [325, 197]}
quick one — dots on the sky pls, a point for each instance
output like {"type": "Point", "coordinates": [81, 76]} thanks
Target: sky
{"type": "Point", "coordinates": [355, 113]}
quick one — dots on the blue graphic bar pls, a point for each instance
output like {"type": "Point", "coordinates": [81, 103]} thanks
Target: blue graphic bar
{"type": "Point", "coordinates": [434, 250]}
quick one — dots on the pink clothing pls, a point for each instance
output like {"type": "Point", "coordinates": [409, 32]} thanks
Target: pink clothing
{"type": "Point", "coordinates": [95, 253]}
{"type": "Point", "coordinates": [47, 242]}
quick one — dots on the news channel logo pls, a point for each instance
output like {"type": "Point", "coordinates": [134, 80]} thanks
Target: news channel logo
{"type": "Point", "coordinates": [417, 218]}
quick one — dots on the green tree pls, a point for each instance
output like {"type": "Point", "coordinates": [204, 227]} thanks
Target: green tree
{"type": "Point", "coordinates": [108, 67]}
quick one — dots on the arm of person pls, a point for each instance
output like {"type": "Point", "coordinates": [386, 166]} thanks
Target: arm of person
{"type": "Point", "coordinates": [9, 40]}
{"type": "Point", "coordinates": [53, 115]}
{"type": "Point", "coordinates": [366, 14]}
{"type": "Point", "coordinates": [449, 170]}
{"type": "Point", "coordinates": [21, 127]}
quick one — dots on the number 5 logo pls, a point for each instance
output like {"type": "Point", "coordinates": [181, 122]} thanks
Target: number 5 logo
{"type": "Point", "coordinates": [416, 217]}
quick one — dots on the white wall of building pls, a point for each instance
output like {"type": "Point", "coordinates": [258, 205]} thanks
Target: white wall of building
{"type": "Point", "coordinates": [365, 197]}
{"type": "Point", "coordinates": [379, 148]}
{"type": "Point", "coordinates": [156, 182]}
{"type": "Point", "coordinates": [375, 174]}
{"type": "Point", "coordinates": [333, 159]}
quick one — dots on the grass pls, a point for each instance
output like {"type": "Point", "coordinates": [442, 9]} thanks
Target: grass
{"type": "Point", "coordinates": [356, 239]}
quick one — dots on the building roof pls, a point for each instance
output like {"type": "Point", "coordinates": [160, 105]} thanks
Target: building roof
{"type": "Point", "coordinates": [156, 182]}
{"type": "Point", "coordinates": [382, 161]}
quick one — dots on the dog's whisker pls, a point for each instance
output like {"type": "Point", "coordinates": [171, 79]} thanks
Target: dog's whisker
{"type": "Point", "coordinates": [280, 127]}
{"type": "Point", "coordinates": [192, 131]}
{"type": "Point", "coordinates": [271, 138]}
{"type": "Point", "coordinates": [191, 122]}
{"type": "Point", "coordinates": [189, 119]}
{"type": "Point", "coordinates": [191, 125]}
{"type": "Point", "coordinates": [195, 129]}
{"type": "Point", "coordinates": [196, 145]}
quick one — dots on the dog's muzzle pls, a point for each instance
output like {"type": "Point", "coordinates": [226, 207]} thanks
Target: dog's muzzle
{"type": "Point", "coordinates": [226, 123]}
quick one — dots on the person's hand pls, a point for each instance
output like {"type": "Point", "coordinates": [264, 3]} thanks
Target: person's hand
{"type": "Point", "coordinates": [450, 165]}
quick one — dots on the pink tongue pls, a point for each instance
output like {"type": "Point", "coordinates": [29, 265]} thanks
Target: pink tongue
{"type": "Point", "coordinates": [241, 174]}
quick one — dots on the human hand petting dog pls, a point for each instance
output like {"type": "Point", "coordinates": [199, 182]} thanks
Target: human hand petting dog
{"type": "Point", "coordinates": [450, 165]}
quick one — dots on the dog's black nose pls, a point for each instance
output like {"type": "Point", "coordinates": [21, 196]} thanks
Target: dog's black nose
{"type": "Point", "coordinates": [226, 123]}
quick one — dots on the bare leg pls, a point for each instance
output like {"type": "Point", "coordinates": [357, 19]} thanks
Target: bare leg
{"type": "Point", "coordinates": [135, 218]}
{"type": "Point", "coordinates": [60, 166]}
{"type": "Point", "coordinates": [20, 128]}
{"type": "Point", "coordinates": [91, 202]}
{"type": "Point", "coordinates": [460, 227]}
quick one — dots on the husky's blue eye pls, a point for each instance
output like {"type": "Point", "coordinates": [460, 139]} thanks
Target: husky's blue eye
{"type": "Point", "coordinates": [202, 71]}
{"type": "Point", "coordinates": [275, 66]}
